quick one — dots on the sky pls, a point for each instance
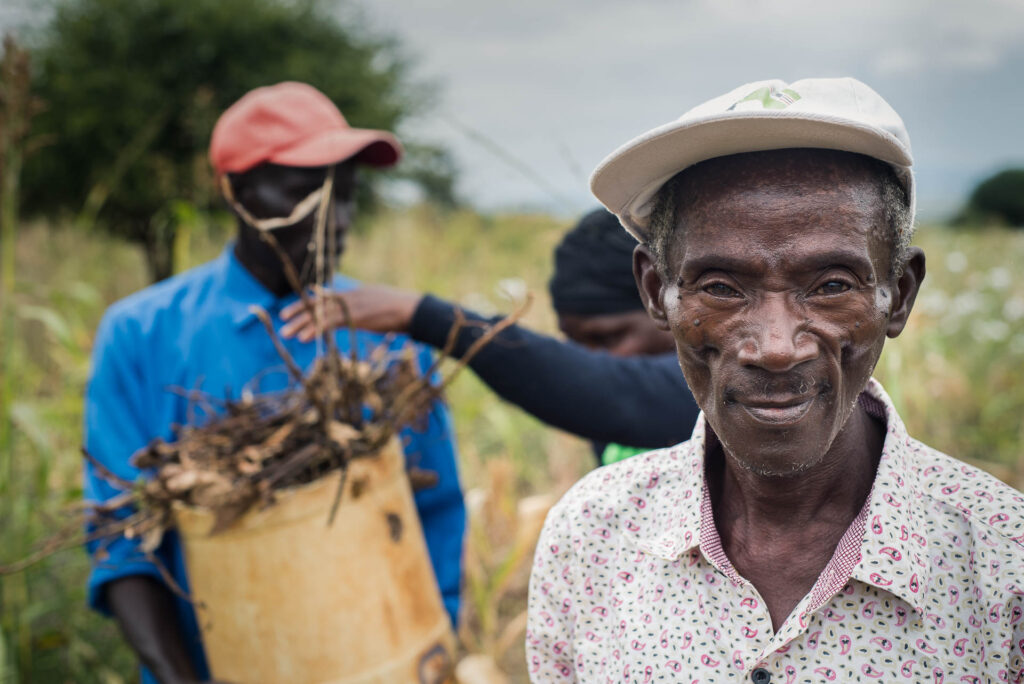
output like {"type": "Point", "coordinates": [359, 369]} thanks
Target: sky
{"type": "Point", "coordinates": [533, 94]}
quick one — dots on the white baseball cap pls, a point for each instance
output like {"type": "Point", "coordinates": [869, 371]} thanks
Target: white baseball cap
{"type": "Point", "coordinates": [828, 113]}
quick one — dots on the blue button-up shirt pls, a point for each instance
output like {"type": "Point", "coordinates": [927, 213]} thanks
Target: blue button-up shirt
{"type": "Point", "coordinates": [196, 331]}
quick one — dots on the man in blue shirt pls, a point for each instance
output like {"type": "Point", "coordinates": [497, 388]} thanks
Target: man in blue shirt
{"type": "Point", "coordinates": [272, 151]}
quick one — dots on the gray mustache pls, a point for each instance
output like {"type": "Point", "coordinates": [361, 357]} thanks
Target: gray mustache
{"type": "Point", "coordinates": [766, 388]}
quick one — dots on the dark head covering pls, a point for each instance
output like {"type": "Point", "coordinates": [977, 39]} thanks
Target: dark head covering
{"type": "Point", "coordinates": [594, 268]}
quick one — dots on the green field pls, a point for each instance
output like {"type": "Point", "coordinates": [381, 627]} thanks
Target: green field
{"type": "Point", "coordinates": [957, 376]}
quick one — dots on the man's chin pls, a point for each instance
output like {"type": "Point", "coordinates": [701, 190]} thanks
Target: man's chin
{"type": "Point", "coordinates": [780, 442]}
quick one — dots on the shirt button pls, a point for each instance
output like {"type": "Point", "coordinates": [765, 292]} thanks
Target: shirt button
{"type": "Point", "coordinates": [760, 676]}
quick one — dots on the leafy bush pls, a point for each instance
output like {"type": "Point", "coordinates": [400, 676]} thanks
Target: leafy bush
{"type": "Point", "coordinates": [133, 88]}
{"type": "Point", "coordinates": [998, 199]}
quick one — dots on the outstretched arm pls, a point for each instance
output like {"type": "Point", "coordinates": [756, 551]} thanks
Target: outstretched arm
{"type": "Point", "coordinates": [639, 401]}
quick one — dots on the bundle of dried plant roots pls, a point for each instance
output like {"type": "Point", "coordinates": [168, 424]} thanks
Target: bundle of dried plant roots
{"type": "Point", "coordinates": [344, 408]}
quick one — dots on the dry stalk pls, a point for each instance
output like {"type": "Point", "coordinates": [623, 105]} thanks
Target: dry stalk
{"type": "Point", "coordinates": [486, 338]}
{"type": "Point", "coordinates": [343, 408]}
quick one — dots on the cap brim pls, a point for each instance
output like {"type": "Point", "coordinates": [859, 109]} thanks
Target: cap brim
{"type": "Point", "coordinates": [373, 148]}
{"type": "Point", "coordinates": [627, 180]}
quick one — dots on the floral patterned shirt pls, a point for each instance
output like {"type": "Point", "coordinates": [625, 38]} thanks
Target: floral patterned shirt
{"type": "Point", "coordinates": [630, 582]}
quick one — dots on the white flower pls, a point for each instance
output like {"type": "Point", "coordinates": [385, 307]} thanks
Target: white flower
{"type": "Point", "coordinates": [994, 331]}
{"type": "Point", "coordinates": [512, 288]}
{"type": "Point", "coordinates": [956, 262]}
{"type": "Point", "coordinates": [1013, 310]}
{"type": "Point", "coordinates": [934, 302]}
{"type": "Point", "coordinates": [999, 278]}
{"type": "Point", "coordinates": [966, 303]}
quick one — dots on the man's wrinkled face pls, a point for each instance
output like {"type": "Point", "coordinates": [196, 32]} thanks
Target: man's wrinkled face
{"type": "Point", "coordinates": [779, 297]}
{"type": "Point", "coordinates": [273, 191]}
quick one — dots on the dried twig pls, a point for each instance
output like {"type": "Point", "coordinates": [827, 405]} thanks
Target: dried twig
{"type": "Point", "coordinates": [344, 408]}
{"type": "Point", "coordinates": [105, 473]}
{"type": "Point", "coordinates": [486, 338]}
{"type": "Point", "coordinates": [337, 496]}
{"type": "Point", "coordinates": [293, 367]}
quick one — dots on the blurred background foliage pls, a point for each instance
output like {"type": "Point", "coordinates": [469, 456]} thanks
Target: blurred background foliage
{"type": "Point", "coordinates": [103, 143]}
{"type": "Point", "coordinates": [997, 199]}
{"type": "Point", "coordinates": [133, 87]}
{"type": "Point", "coordinates": [956, 374]}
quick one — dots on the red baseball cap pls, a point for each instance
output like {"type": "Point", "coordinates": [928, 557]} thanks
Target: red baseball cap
{"type": "Point", "coordinates": [293, 124]}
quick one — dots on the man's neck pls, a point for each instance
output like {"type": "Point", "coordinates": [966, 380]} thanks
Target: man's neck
{"type": "Point", "coordinates": [835, 487]}
{"type": "Point", "coordinates": [780, 532]}
{"type": "Point", "coordinates": [258, 264]}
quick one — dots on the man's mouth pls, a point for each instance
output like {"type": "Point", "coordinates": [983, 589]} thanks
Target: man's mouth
{"type": "Point", "coordinates": [778, 411]}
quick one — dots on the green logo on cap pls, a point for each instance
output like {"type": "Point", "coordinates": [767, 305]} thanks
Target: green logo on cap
{"type": "Point", "coordinates": [770, 98]}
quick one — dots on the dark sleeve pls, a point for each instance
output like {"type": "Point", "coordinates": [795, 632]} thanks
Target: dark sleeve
{"type": "Point", "coordinates": [639, 401]}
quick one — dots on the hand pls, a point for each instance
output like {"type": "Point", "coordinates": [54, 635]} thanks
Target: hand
{"type": "Point", "coordinates": [373, 307]}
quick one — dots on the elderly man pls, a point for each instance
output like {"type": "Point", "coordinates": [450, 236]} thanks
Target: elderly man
{"type": "Point", "coordinates": [800, 535]}
{"type": "Point", "coordinates": [280, 152]}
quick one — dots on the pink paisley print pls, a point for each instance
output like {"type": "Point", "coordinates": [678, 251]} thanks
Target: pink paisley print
{"type": "Point", "coordinates": [630, 582]}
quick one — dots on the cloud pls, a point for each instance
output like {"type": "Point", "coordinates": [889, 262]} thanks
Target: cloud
{"type": "Point", "coordinates": [955, 37]}
{"type": "Point", "coordinates": [558, 85]}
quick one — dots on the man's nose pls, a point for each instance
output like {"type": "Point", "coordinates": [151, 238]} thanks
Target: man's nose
{"type": "Point", "coordinates": [777, 339]}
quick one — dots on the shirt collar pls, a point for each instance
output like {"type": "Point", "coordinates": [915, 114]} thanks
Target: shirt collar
{"type": "Point", "coordinates": [675, 518]}
{"type": "Point", "coordinates": [241, 290]}
{"type": "Point", "coordinates": [893, 550]}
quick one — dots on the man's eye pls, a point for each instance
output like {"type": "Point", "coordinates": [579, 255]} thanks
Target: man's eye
{"type": "Point", "coordinates": [832, 287]}
{"type": "Point", "coordinates": [721, 290]}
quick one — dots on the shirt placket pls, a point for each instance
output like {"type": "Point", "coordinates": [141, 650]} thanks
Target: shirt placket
{"type": "Point", "coordinates": [748, 607]}
{"type": "Point", "coordinates": [745, 634]}
{"type": "Point", "coordinates": [760, 653]}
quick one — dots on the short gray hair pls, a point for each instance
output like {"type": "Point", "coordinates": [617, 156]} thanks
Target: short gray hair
{"type": "Point", "coordinates": [665, 215]}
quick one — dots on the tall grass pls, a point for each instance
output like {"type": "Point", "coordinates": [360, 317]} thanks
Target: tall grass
{"type": "Point", "coordinates": [957, 372]}
{"type": "Point", "coordinates": [65, 281]}
{"type": "Point", "coordinates": [957, 376]}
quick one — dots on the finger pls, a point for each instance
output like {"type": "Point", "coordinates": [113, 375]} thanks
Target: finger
{"type": "Point", "coordinates": [292, 309]}
{"type": "Point", "coordinates": [309, 332]}
{"type": "Point", "coordinates": [300, 321]}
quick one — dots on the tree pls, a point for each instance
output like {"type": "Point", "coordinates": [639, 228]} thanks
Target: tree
{"type": "Point", "coordinates": [998, 198]}
{"type": "Point", "coordinates": [133, 88]}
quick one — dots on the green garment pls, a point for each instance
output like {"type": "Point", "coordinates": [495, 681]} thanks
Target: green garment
{"type": "Point", "coordinates": [613, 453]}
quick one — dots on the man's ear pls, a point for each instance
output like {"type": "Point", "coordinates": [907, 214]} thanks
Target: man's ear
{"type": "Point", "coordinates": [650, 284]}
{"type": "Point", "coordinates": [907, 287]}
